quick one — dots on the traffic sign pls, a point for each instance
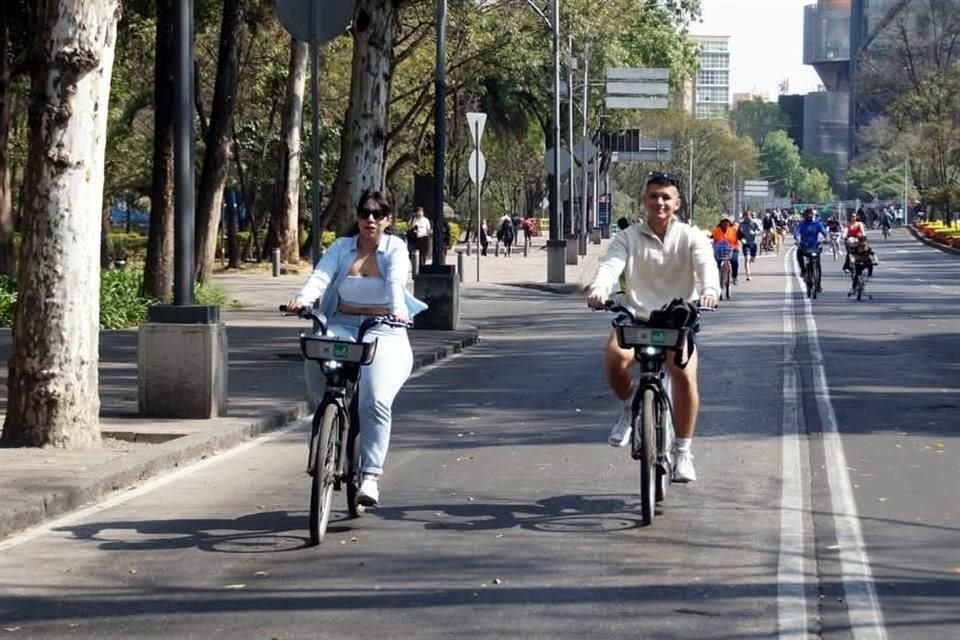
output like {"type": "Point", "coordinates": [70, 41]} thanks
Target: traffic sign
{"type": "Point", "coordinates": [637, 88]}
{"type": "Point", "coordinates": [756, 188]}
{"type": "Point", "coordinates": [477, 166]}
{"type": "Point", "coordinates": [332, 18]}
{"type": "Point", "coordinates": [476, 120]}
{"type": "Point", "coordinates": [564, 161]}
{"type": "Point", "coordinates": [584, 151]}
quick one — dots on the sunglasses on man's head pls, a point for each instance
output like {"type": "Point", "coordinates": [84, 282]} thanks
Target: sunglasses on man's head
{"type": "Point", "coordinates": [660, 176]}
{"type": "Point", "coordinates": [377, 213]}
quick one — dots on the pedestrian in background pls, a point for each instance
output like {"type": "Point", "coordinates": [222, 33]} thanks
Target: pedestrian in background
{"type": "Point", "coordinates": [422, 228]}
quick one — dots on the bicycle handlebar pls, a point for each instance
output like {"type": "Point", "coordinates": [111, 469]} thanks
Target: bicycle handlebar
{"type": "Point", "coordinates": [309, 313]}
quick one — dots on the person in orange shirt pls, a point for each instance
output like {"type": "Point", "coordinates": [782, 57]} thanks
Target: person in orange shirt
{"type": "Point", "coordinates": [726, 233]}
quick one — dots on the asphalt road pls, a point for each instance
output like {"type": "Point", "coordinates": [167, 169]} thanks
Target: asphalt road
{"type": "Point", "coordinates": [827, 504]}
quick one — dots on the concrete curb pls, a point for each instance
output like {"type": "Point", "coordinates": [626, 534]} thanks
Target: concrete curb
{"type": "Point", "coordinates": [156, 459]}
{"type": "Point", "coordinates": [931, 243]}
{"type": "Point", "coordinates": [566, 288]}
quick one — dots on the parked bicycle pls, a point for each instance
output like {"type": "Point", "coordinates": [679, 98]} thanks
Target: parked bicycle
{"type": "Point", "coordinates": [333, 461]}
{"type": "Point", "coordinates": [652, 408]}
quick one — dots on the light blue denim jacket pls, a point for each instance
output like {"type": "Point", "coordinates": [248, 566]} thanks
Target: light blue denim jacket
{"type": "Point", "coordinates": [393, 262]}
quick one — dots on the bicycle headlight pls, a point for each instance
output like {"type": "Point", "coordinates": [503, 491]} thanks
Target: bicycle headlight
{"type": "Point", "coordinates": [332, 365]}
{"type": "Point", "coordinates": [650, 351]}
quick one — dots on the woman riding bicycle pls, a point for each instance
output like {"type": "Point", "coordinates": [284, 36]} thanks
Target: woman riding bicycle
{"type": "Point", "coordinates": [364, 274]}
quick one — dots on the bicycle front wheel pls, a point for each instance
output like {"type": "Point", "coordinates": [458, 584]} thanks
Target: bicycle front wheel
{"type": "Point", "coordinates": [324, 470]}
{"type": "Point", "coordinates": [648, 456]}
{"type": "Point", "coordinates": [352, 470]}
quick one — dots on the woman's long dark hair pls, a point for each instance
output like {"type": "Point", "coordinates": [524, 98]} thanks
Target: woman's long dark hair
{"type": "Point", "coordinates": [382, 200]}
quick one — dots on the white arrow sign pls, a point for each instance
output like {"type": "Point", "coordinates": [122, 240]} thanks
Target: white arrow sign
{"type": "Point", "coordinates": [477, 166]}
{"type": "Point", "coordinates": [476, 121]}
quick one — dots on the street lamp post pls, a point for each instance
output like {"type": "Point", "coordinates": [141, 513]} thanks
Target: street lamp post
{"type": "Point", "coordinates": [556, 247]}
{"type": "Point", "coordinates": [440, 133]}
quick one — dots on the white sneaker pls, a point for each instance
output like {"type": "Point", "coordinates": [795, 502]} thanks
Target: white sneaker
{"type": "Point", "coordinates": [369, 492]}
{"type": "Point", "coordinates": [620, 432]}
{"type": "Point", "coordinates": [683, 470]}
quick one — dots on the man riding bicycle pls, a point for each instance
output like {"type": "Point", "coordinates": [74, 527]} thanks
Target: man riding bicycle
{"type": "Point", "coordinates": [662, 258]}
{"type": "Point", "coordinates": [807, 233]}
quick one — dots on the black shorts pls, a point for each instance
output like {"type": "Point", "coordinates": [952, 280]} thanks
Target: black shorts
{"type": "Point", "coordinates": [749, 249]}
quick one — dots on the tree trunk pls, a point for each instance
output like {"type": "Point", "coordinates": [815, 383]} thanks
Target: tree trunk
{"type": "Point", "coordinates": [283, 217]}
{"type": "Point", "coordinates": [53, 397]}
{"type": "Point", "coordinates": [364, 139]}
{"type": "Point", "coordinates": [214, 175]}
{"type": "Point", "coordinates": [7, 96]}
{"type": "Point", "coordinates": [159, 267]}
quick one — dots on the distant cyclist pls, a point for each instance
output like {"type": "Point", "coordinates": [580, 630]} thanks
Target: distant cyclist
{"type": "Point", "coordinates": [726, 236]}
{"type": "Point", "coordinates": [863, 258]}
{"type": "Point", "coordinates": [662, 259]}
{"type": "Point", "coordinates": [807, 233]}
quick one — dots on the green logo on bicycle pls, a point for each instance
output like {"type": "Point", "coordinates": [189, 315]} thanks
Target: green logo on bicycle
{"type": "Point", "coordinates": [658, 337]}
{"type": "Point", "coordinates": [341, 351]}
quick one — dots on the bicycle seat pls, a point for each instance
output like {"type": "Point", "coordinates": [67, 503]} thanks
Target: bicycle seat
{"type": "Point", "coordinates": [324, 348]}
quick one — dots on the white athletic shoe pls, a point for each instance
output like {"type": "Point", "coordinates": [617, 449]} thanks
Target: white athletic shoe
{"type": "Point", "coordinates": [620, 432]}
{"type": "Point", "coordinates": [683, 470]}
{"type": "Point", "coordinates": [369, 493]}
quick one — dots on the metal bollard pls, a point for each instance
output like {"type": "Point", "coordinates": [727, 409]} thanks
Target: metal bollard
{"type": "Point", "coordinates": [276, 262]}
{"type": "Point", "coordinates": [526, 245]}
{"type": "Point", "coordinates": [460, 264]}
{"type": "Point", "coordinates": [416, 262]}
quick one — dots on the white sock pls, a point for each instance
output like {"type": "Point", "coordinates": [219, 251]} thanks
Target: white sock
{"type": "Point", "coordinates": [683, 444]}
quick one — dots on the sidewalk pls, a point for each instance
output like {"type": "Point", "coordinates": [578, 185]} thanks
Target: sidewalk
{"type": "Point", "coordinates": [265, 387]}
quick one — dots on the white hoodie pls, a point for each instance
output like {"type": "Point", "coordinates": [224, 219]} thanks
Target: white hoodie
{"type": "Point", "coordinates": [657, 271]}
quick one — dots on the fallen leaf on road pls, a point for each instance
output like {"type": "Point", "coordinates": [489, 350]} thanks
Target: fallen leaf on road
{"type": "Point", "coordinates": [354, 539]}
{"type": "Point", "coordinates": [261, 574]}
{"type": "Point", "coordinates": [235, 586]}
{"type": "Point", "coordinates": [499, 535]}
{"type": "Point", "coordinates": [12, 629]}
{"type": "Point", "coordinates": [833, 547]}
{"type": "Point", "coordinates": [437, 513]}
{"type": "Point", "coordinates": [133, 571]}
{"type": "Point", "coordinates": [497, 581]}
{"type": "Point", "coordinates": [469, 498]}
{"type": "Point", "coordinates": [881, 499]}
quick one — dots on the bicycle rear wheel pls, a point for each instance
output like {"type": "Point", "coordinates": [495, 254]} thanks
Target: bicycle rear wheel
{"type": "Point", "coordinates": [324, 470]}
{"type": "Point", "coordinates": [648, 456]}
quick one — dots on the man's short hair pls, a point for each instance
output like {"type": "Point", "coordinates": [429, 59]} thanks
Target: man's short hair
{"type": "Point", "coordinates": [662, 179]}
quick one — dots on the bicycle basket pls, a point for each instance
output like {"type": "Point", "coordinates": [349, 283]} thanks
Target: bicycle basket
{"type": "Point", "coordinates": [322, 348]}
{"type": "Point", "coordinates": [722, 251]}
{"type": "Point", "coordinates": [632, 336]}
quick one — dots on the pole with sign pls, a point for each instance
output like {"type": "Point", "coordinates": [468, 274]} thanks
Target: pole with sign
{"type": "Point", "coordinates": [477, 167]}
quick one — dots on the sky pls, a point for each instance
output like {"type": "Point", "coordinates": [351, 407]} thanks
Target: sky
{"type": "Point", "coordinates": [766, 43]}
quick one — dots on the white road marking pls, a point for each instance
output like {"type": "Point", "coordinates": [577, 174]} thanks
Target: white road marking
{"type": "Point", "coordinates": [863, 607]}
{"type": "Point", "coordinates": [792, 618]}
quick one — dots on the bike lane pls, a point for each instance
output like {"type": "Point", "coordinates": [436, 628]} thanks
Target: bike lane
{"type": "Point", "coordinates": [893, 394]}
{"type": "Point", "coordinates": [505, 513]}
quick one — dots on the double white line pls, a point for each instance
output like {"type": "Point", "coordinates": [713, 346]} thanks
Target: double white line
{"type": "Point", "coordinates": [865, 617]}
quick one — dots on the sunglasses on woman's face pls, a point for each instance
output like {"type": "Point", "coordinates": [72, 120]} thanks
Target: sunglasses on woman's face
{"type": "Point", "coordinates": [377, 213]}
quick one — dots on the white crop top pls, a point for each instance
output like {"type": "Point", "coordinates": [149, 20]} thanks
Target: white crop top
{"type": "Point", "coordinates": [359, 291]}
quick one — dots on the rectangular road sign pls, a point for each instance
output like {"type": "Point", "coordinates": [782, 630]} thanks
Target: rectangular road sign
{"type": "Point", "coordinates": [759, 184]}
{"type": "Point", "coordinates": [646, 155]}
{"type": "Point", "coordinates": [638, 75]}
{"type": "Point", "coordinates": [620, 88]}
{"type": "Point", "coordinates": [637, 102]}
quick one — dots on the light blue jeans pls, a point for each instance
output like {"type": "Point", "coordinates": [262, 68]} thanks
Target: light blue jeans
{"type": "Point", "coordinates": [380, 381]}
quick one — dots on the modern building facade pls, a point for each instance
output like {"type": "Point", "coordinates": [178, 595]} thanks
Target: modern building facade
{"type": "Point", "coordinates": [833, 29]}
{"type": "Point", "coordinates": [710, 97]}
{"type": "Point", "coordinates": [826, 114]}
